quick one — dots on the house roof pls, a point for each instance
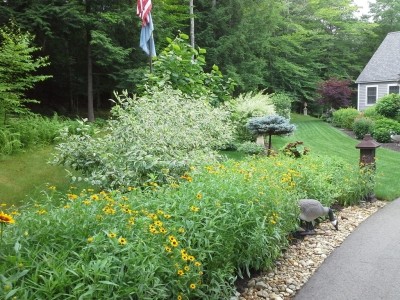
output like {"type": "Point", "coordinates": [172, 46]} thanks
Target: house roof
{"type": "Point", "coordinates": [384, 65]}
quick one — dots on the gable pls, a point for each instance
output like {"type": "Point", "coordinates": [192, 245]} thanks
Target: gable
{"type": "Point", "coordinates": [384, 65]}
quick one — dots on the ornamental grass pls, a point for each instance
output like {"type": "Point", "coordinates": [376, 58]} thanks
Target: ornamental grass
{"type": "Point", "coordinates": [189, 239]}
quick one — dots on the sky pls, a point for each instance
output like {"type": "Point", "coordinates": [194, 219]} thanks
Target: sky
{"type": "Point", "coordinates": [364, 6]}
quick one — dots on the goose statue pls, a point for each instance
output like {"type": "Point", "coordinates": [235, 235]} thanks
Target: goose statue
{"type": "Point", "coordinates": [395, 138]}
{"type": "Point", "coordinates": [310, 210]}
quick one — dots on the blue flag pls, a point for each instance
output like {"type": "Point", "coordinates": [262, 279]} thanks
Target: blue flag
{"type": "Point", "coordinates": [147, 39]}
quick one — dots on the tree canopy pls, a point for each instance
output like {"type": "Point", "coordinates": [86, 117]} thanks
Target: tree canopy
{"type": "Point", "coordinates": [277, 46]}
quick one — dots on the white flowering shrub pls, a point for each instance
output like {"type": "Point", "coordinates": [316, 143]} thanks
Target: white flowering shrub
{"type": "Point", "coordinates": [151, 138]}
{"type": "Point", "coordinates": [246, 106]}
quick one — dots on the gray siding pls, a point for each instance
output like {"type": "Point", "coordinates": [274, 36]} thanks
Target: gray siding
{"type": "Point", "coordinates": [383, 90]}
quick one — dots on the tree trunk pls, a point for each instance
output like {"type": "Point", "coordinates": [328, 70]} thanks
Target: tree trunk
{"type": "Point", "coordinates": [213, 3]}
{"type": "Point", "coordinates": [191, 23]}
{"type": "Point", "coordinates": [90, 81]}
{"type": "Point", "coordinates": [269, 145]}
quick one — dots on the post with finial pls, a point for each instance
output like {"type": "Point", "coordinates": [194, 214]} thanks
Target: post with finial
{"type": "Point", "coordinates": [367, 157]}
{"type": "Point", "coordinates": [305, 109]}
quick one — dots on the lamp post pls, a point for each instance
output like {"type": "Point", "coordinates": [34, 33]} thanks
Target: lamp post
{"type": "Point", "coordinates": [367, 160]}
{"type": "Point", "coordinates": [367, 150]}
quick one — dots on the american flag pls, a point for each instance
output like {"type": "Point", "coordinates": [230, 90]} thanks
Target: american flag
{"type": "Point", "coordinates": [146, 34]}
{"type": "Point", "coordinates": [143, 11]}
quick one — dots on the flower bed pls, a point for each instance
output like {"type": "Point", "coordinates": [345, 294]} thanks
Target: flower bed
{"type": "Point", "coordinates": [187, 240]}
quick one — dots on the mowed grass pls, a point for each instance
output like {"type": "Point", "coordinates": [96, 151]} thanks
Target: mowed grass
{"type": "Point", "coordinates": [324, 139]}
{"type": "Point", "coordinates": [24, 175]}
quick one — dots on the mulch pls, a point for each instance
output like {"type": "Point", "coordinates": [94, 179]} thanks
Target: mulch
{"type": "Point", "coordinates": [391, 146]}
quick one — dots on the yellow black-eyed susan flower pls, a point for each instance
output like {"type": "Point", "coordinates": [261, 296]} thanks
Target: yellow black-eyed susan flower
{"type": "Point", "coordinates": [122, 241]}
{"type": "Point", "coordinates": [6, 219]}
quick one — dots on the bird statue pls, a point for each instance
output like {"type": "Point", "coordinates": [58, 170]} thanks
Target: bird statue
{"type": "Point", "coordinates": [310, 210]}
{"type": "Point", "coordinates": [395, 138]}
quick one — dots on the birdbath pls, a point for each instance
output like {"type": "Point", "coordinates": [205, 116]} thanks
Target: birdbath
{"type": "Point", "coordinates": [367, 150]}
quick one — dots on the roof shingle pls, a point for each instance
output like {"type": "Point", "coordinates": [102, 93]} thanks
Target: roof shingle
{"type": "Point", "coordinates": [384, 65]}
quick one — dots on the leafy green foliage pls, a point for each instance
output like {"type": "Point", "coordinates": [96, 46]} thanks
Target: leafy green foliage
{"type": "Point", "coordinates": [344, 117]}
{"type": "Point", "coordinates": [295, 149]}
{"type": "Point", "coordinates": [362, 126]}
{"type": "Point", "coordinates": [162, 130]}
{"type": "Point", "coordinates": [383, 128]}
{"type": "Point", "coordinates": [17, 70]}
{"type": "Point", "coordinates": [181, 66]}
{"type": "Point", "coordinates": [190, 239]}
{"type": "Point", "coordinates": [251, 148]}
{"type": "Point", "coordinates": [270, 125]}
{"type": "Point", "coordinates": [30, 131]}
{"type": "Point", "coordinates": [246, 106]}
{"type": "Point", "coordinates": [370, 112]}
{"type": "Point", "coordinates": [282, 103]}
{"type": "Point", "coordinates": [389, 106]}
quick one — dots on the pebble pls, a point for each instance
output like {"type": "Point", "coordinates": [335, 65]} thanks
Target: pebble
{"type": "Point", "coordinates": [302, 259]}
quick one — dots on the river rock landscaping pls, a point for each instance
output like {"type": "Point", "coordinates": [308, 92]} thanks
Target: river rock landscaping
{"type": "Point", "coordinates": [303, 257]}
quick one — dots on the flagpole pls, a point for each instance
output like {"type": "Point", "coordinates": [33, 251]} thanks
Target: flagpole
{"type": "Point", "coordinates": [150, 56]}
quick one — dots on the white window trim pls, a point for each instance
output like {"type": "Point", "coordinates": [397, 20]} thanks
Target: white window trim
{"type": "Point", "coordinates": [389, 85]}
{"type": "Point", "coordinates": [366, 95]}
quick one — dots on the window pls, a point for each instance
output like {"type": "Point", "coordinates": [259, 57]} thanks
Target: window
{"type": "Point", "coordinates": [394, 89]}
{"type": "Point", "coordinates": [372, 92]}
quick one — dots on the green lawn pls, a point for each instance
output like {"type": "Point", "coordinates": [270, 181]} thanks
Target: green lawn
{"type": "Point", "coordinates": [24, 175]}
{"type": "Point", "coordinates": [324, 139]}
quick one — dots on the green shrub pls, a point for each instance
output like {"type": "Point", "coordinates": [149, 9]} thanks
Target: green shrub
{"type": "Point", "coordinates": [383, 128]}
{"type": "Point", "coordinates": [188, 240]}
{"type": "Point", "coordinates": [163, 130]}
{"type": "Point", "coordinates": [371, 113]}
{"type": "Point", "coordinates": [344, 117]}
{"type": "Point", "coordinates": [362, 126]}
{"type": "Point", "coordinates": [246, 106]}
{"type": "Point", "coordinates": [295, 149]}
{"type": "Point", "coordinates": [282, 103]}
{"type": "Point", "coordinates": [388, 106]}
{"type": "Point", "coordinates": [9, 141]}
{"type": "Point", "coordinates": [251, 148]}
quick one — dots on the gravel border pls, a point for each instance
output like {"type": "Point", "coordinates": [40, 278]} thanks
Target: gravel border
{"type": "Point", "coordinates": [303, 257]}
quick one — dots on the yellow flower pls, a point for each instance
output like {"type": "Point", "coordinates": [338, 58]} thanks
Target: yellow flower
{"type": "Point", "coordinates": [158, 223]}
{"type": "Point", "coordinates": [174, 243]}
{"type": "Point", "coordinates": [192, 286]}
{"type": "Point", "coordinates": [72, 196]}
{"type": "Point", "coordinates": [191, 257]}
{"type": "Point", "coordinates": [52, 188]}
{"type": "Point", "coordinates": [194, 208]}
{"type": "Point", "coordinates": [6, 219]}
{"type": "Point", "coordinates": [199, 196]}
{"type": "Point", "coordinates": [112, 235]}
{"type": "Point", "coordinates": [122, 241]}
{"type": "Point", "coordinates": [186, 268]}
{"type": "Point", "coordinates": [179, 297]}
{"type": "Point", "coordinates": [94, 197]}
{"type": "Point", "coordinates": [197, 264]}
{"type": "Point", "coordinates": [180, 272]}
{"type": "Point", "coordinates": [181, 230]}
{"type": "Point", "coordinates": [168, 249]}
{"type": "Point", "coordinates": [185, 257]}
{"type": "Point", "coordinates": [90, 239]}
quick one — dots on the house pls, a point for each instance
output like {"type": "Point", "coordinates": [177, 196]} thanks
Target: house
{"type": "Point", "coordinates": [381, 75]}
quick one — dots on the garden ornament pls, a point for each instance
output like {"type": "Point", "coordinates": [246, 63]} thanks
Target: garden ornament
{"type": "Point", "coordinates": [310, 210]}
